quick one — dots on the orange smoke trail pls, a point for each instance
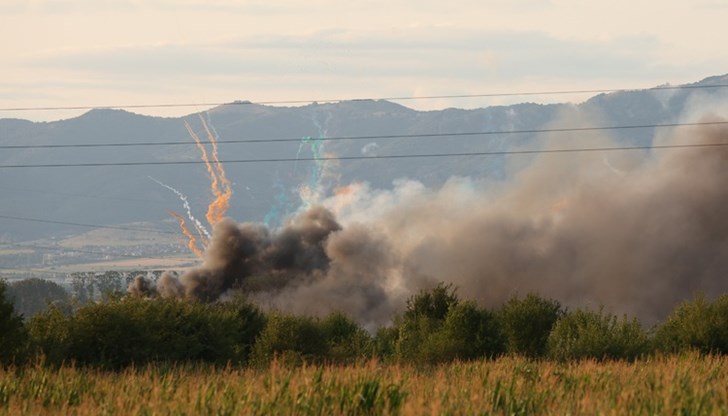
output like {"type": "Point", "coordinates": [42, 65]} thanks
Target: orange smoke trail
{"type": "Point", "coordinates": [212, 215]}
{"type": "Point", "coordinates": [219, 206]}
{"type": "Point", "coordinates": [190, 236]}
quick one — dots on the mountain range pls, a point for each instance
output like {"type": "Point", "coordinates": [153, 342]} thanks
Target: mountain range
{"type": "Point", "coordinates": [52, 199]}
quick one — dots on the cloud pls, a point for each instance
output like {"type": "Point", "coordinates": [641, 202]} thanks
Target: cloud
{"type": "Point", "coordinates": [444, 53]}
{"type": "Point", "coordinates": [40, 8]}
{"type": "Point", "coordinates": [712, 6]}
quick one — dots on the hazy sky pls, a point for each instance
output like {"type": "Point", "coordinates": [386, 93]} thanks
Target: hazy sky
{"type": "Point", "coordinates": [123, 52]}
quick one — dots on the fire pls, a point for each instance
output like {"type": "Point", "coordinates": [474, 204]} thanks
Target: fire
{"type": "Point", "coordinates": [192, 240]}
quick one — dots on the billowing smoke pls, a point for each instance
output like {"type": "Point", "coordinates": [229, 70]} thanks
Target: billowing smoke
{"type": "Point", "coordinates": [636, 233]}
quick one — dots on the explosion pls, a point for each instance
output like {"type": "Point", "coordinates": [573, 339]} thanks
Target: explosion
{"type": "Point", "coordinates": [566, 227]}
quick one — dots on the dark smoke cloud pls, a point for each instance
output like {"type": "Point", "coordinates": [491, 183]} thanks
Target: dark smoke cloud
{"type": "Point", "coordinates": [635, 234]}
{"type": "Point", "coordinates": [239, 251]}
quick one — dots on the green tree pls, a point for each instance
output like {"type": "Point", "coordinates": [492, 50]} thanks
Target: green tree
{"type": "Point", "coordinates": [385, 343]}
{"type": "Point", "coordinates": [696, 324]}
{"type": "Point", "coordinates": [424, 316]}
{"type": "Point", "coordinates": [31, 296]}
{"type": "Point", "coordinates": [50, 332]}
{"type": "Point", "coordinates": [290, 338]}
{"type": "Point", "coordinates": [468, 332]}
{"type": "Point", "coordinates": [527, 323]}
{"type": "Point", "coordinates": [347, 341]}
{"type": "Point", "coordinates": [13, 336]}
{"type": "Point", "coordinates": [588, 334]}
{"type": "Point", "coordinates": [431, 304]}
{"type": "Point", "coordinates": [132, 330]}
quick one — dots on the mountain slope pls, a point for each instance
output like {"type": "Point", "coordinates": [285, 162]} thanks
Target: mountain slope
{"type": "Point", "coordinates": [266, 191]}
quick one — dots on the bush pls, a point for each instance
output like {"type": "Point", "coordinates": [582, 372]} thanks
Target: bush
{"type": "Point", "coordinates": [50, 332]}
{"type": "Point", "coordinates": [13, 336]}
{"type": "Point", "coordinates": [248, 322]}
{"type": "Point", "coordinates": [468, 332]}
{"type": "Point", "coordinates": [31, 296]}
{"type": "Point", "coordinates": [437, 327]}
{"type": "Point", "coordinates": [424, 316]}
{"type": "Point", "coordinates": [385, 343]}
{"type": "Point", "coordinates": [347, 341]}
{"type": "Point", "coordinates": [696, 324]}
{"type": "Point", "coordinates": [588, 334]}
{"type": "Point", "coordinates": [527, 324]}
{"type": "Point", "coordinates": [293, 339]}
{"type": "Point", "coordinates": [431, 304]}
{"type": "Point", "coordinates": [137, 331]}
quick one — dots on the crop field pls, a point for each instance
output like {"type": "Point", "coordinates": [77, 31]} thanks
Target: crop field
{"type": "Point", "coordinates": [683, 384]}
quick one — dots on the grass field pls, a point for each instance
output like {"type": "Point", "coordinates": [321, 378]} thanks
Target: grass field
{"type": "Point", "coordinates": [686, 384]}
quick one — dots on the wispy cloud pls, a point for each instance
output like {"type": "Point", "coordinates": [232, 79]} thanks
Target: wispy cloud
{"type": "Point", "coordinates": [428, 51]}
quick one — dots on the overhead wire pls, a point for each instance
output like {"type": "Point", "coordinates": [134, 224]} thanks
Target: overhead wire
{"type": "Point", "coordinates": [391, 98]}
{"type": "Point", "coordinates": [371, 157]}
{"type": "Point", "coordinates": [369, 137]}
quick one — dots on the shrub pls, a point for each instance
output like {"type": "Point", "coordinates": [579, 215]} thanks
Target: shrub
{"type": "Point", "coordinates": [385, 343]}
{"type": "Point", "coordinates": [31, 296]}
{"type": "Point", "coordinates": [248, 322]}
{"type": "Point", "coordinates": [13, 336]}
{"type": "Point", "coordinates": [468, 332]}
{"type": "Point", "coordinates": [293, 339]}
{"type": "Point", "coordinates": [347, 341]}
{"type": "Point", "coordinates": [588, 334]}
{"type": "Point", "coordinates": [424, 316]}
{"type": "Point", "coordinates": [50, 332]}
{"type": "Point", "coordinates": [137, 331]}
{"type": "Point", "coordinates": [437, 327]}
{"type": "Point", "coordinates": [527, 324]}
{"type": "Point", "coordinates": [431, 304]}
{"type": "Point", "coordinates": [697, 324]}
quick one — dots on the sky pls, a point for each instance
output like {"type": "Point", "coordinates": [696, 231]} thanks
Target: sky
{"type": "Point", "coordinates": [87, 53]}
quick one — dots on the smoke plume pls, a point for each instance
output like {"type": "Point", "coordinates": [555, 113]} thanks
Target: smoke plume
{"type": "Point", "coordinates": [635, 233]}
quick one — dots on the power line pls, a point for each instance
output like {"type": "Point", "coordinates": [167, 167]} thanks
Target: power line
{"type": "Point", "coordinates": [393, 98]}
{"type": "Point", "coordinates": [371, 137]}
{"type": "Point", "coordinates": [113, 227]}
{"type": "Point", "coordinates": [402, 156]}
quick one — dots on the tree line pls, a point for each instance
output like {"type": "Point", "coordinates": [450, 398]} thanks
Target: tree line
{"type": "Point", "coordinates": [436, 326]}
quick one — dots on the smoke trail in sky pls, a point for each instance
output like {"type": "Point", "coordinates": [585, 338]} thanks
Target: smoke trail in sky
{"type": "Point", "coordinates": [313, 191]}
{"type": "Point", "coordinates": [280, 208]}
{"type": "Point", "coordinates": [191, 237]}
{"type": "Point", "coordinates": [220, 186]}
{"type": "Point", "coordinates": [186, 204]}
{"type": "Point", "coordinates": [211, 126]}
{"type": "Point", "coordinates": [218, 208]}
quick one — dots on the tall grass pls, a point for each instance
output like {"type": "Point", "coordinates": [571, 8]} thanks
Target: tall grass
{"type": "Point", "coordinates": [676, 384]}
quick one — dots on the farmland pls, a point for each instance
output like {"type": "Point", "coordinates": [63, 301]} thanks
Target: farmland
{"type": "Point", "coordinates": [442, 355]}
{"type": "Point", "coordinates": [671, 384]}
